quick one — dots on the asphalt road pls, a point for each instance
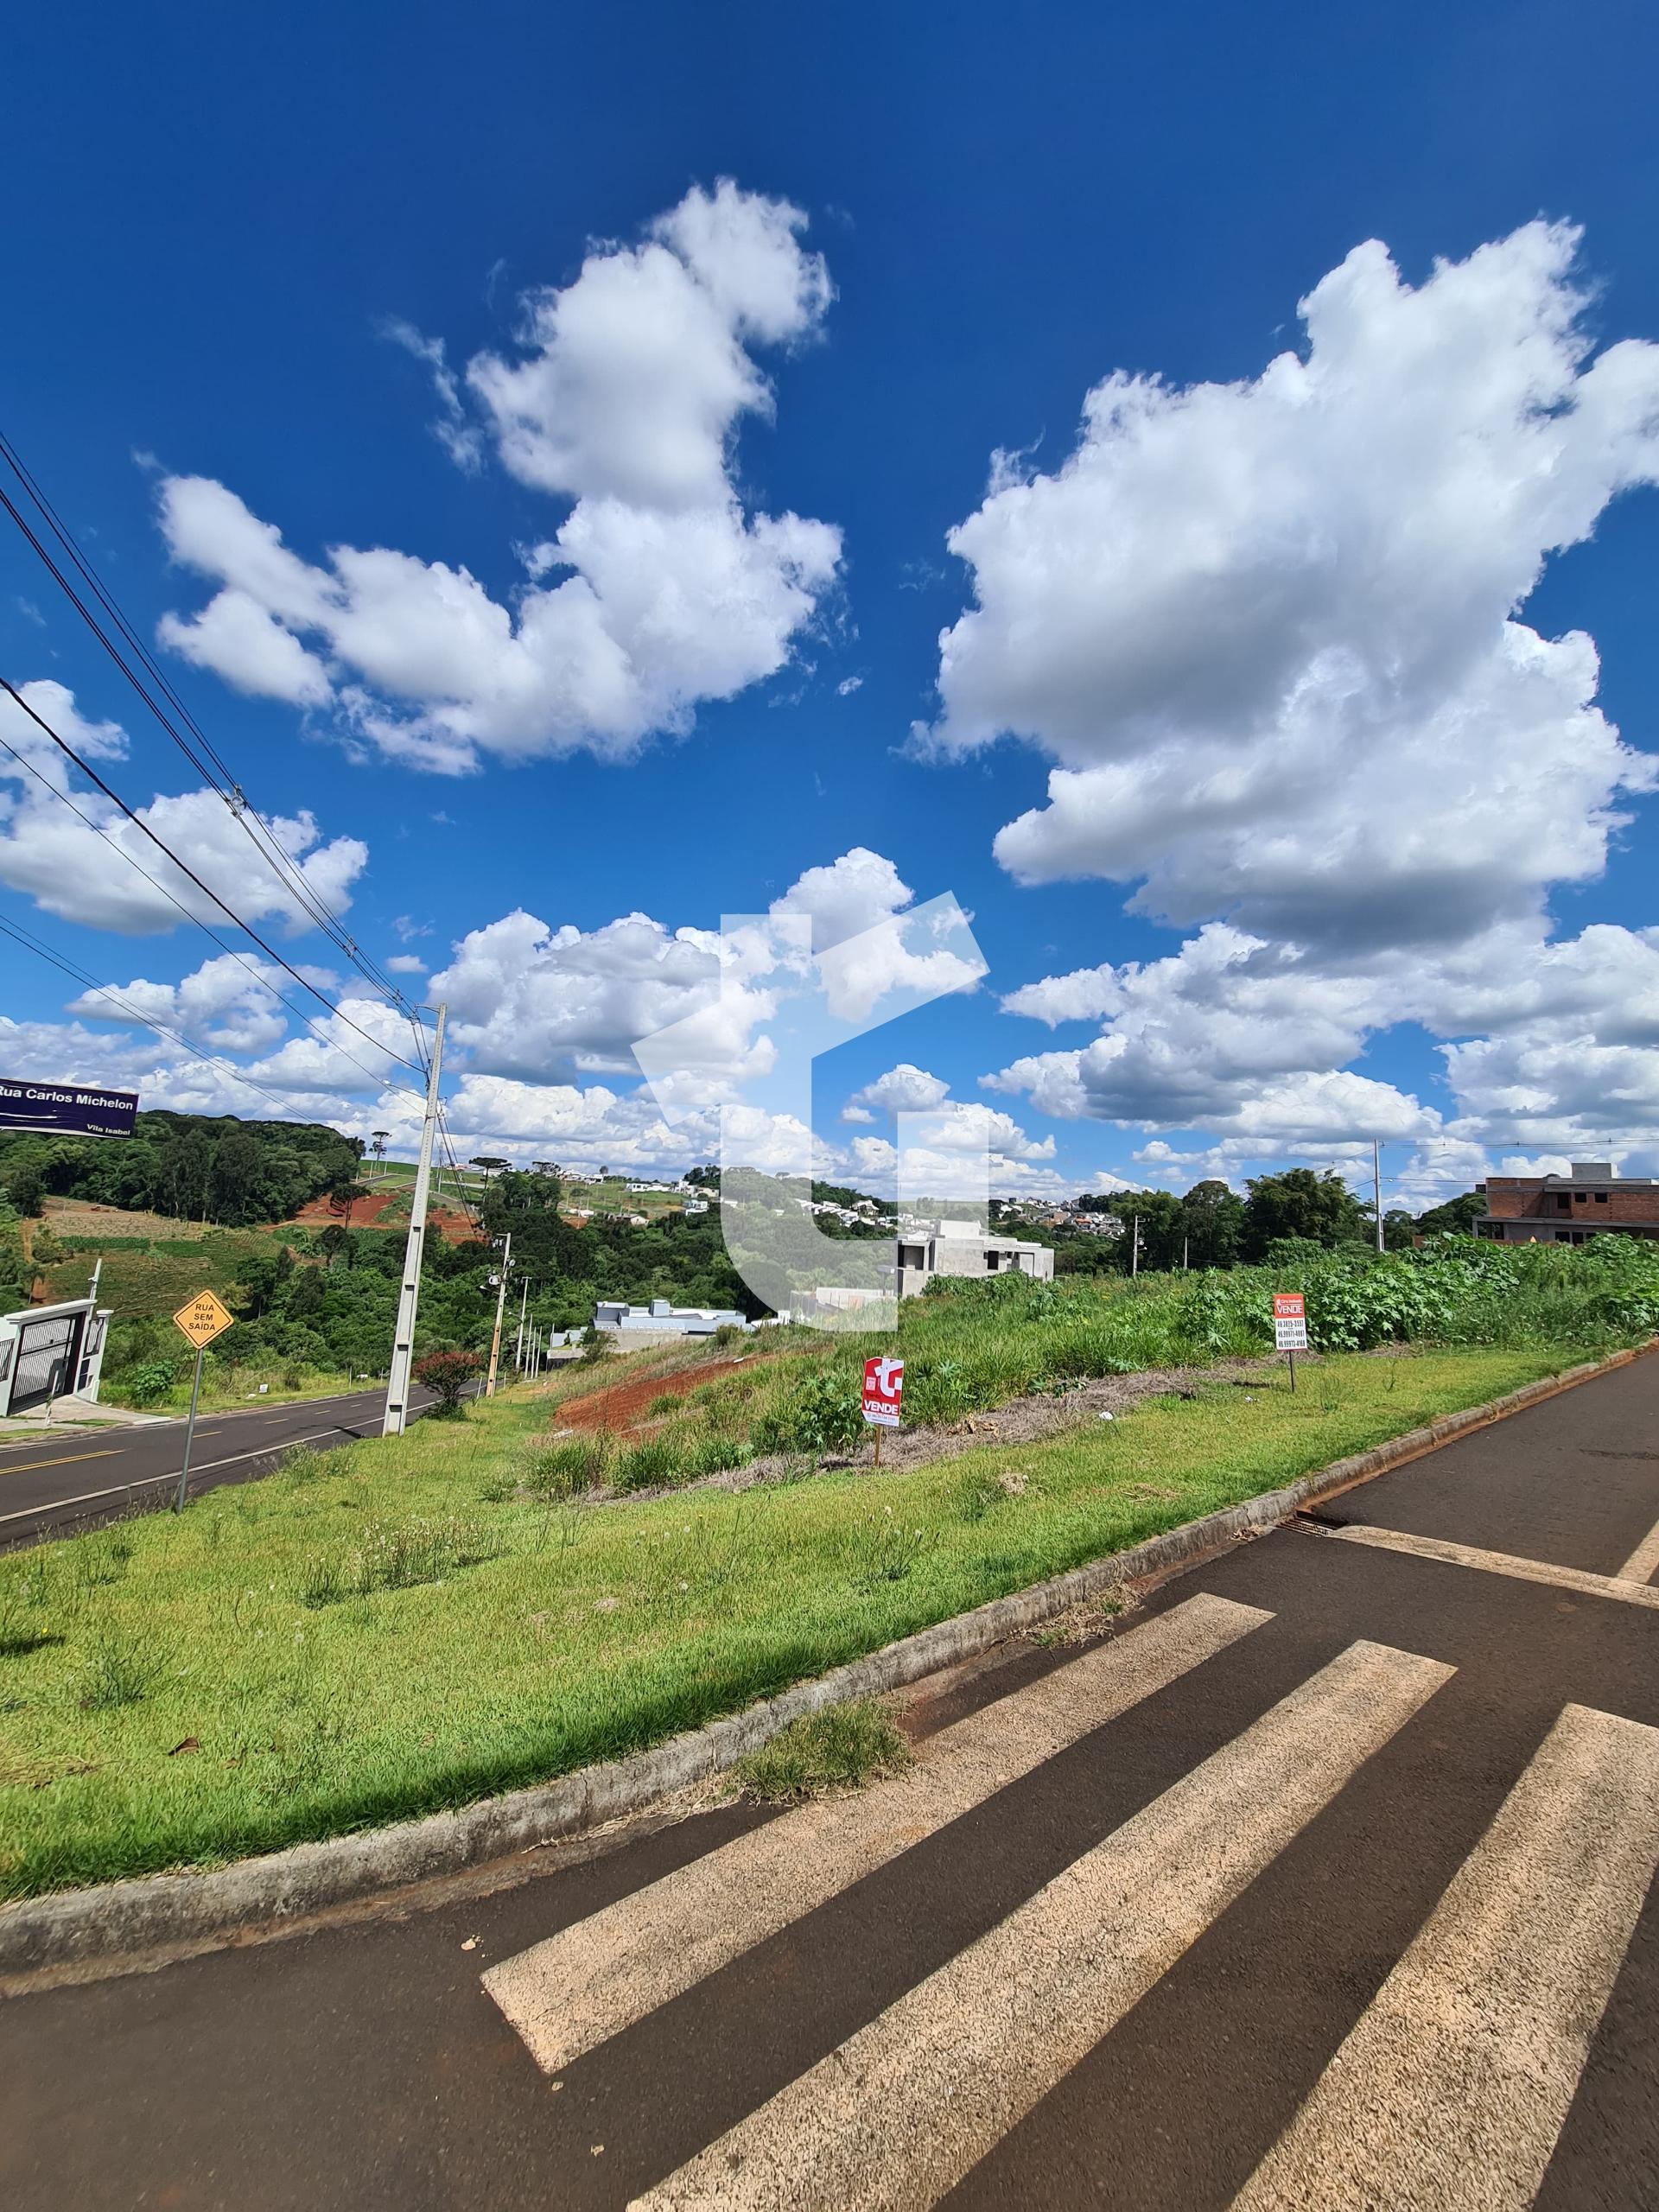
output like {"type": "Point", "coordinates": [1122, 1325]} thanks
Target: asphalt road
{"type": "Point", "coordinates": [57, 1481]}
{"type": "Point", "coordinates": [1325, 1883]}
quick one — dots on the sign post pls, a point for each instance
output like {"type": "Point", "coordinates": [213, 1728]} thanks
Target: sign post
{"type": "Point", "coordinates": [884, 1392]}
{"type": "Point", "coordinates": [1290, 1327]}
{"type": "Point", "coordinates": [200, 1321]}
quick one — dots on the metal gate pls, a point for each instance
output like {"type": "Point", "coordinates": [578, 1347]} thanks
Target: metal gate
{"type": "Point", "coordinates": [45, 1360]}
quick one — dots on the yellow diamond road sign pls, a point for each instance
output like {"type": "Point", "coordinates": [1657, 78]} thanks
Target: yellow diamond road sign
{"type": "Point", "coordinates": [203, 1318]}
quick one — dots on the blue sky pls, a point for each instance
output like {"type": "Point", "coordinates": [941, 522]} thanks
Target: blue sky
{"type": "Point", "coordinates": [1300, 652]}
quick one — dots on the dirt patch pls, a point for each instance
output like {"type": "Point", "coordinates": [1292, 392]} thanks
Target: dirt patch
{"type": "Point", "coordinates": [1023, 1421]}
{"type": "Point", "coordinates": [363, 1213]}
{"type": "Point", "coordinates": [625, 1405]}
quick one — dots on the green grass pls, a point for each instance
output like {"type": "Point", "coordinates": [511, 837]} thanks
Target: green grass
{"type": "Point", "coordinates": [396, 1627]}
{"type": "Point", "coordinates": [224, 1391]}
{"type": "Point", "coordinates": [839, 1749]}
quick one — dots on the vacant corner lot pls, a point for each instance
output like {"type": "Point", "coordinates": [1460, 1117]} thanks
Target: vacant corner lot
{"type": "Point", "coordinates": [394, 1628]}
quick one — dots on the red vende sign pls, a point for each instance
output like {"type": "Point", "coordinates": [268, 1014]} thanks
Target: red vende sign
{"type": "Point", "coordinates": [884, 1390]}
{"type": "Point", "coordinates": [1289, 1306]}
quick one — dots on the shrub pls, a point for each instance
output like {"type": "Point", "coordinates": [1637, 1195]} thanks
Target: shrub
{"type": "Point", "coordinates": [447, 1374]}
{"type": "Point", "coordinates": [823, 1414]}
{"type": "Point", "coordinates": [149, 1382]}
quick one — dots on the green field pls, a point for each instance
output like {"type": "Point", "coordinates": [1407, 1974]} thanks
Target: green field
{"type": "Point", "coordinates": [404, 1625]}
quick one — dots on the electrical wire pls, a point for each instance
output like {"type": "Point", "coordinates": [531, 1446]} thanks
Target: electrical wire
{"type": "Point", "coordinates": [213, 768]}
{"type": "Point", "coordinates": [241, 960]}
{"type": "Point", "coordinates": [184, 869]}
{"type": "Point", "coordinates": [130, 1013]}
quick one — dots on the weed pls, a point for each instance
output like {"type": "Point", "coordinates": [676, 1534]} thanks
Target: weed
{"type": "Point", "coordinates": [498, 1491]}
{"type": "Point", "coordinates": [97, 1560]}
{"type": "Point", "coordinates": [573, 1465]}
{"type": "Point", "coordinates": [838, 1749]}
{"type": "Point", "coordinates": [665, 1402]}
{"type": "Point", "coordinates": [398, 1554]}
{"type": "Point", "coordinates": [883, 1548]}
{"type": "Point", "coordinates": [652, 1460]}
{"type": "Point", "coordinates": [22, 1626]}
{"type": "Point", "coordinates": [321, 1581]}
{"type": "Point", "coordinates": [119, 1670]}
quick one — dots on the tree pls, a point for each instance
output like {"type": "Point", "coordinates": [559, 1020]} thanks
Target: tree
{"type": "Point", "coordinates": [337, 1241]}
{"type": "Point", "coordinates": [1212, 1221]}
{"type": "Point", "coordinates": [447, 1374]}
{"type": "Point", "coordinates": [1457, 1217]}
{"type": "Point", "coordinates": [238, 1168]}
{"type": "Point", "coordinates": [1320, 1209]}
{"type": "Point", "coordinates": [1398, 1230]}
{"type": "Point", "coordinates": [26, 1188]}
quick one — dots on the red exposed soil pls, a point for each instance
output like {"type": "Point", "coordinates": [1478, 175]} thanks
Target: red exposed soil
{"type": "Point", "coordinates": [366, 1213]}
{"type": "Point", "coordinates": [317, 1213]}
{"type": "Point", "coordinates": [622, 1407]}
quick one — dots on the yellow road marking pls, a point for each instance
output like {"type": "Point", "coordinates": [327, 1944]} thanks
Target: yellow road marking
{"type": "Point", "coordinates": [1451, 2091]}
{"type": "Point", "coordinates": [595, 1978]}
{"type": "Point", "coordinates": [1519, 1570]}
{"type": "Point", "coordinates": [19, 1467]}
{"type": "Point", "coordinates": [895, 2117]}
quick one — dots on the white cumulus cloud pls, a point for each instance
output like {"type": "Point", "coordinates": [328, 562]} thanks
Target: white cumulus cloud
{"type": "Point", "coordinates": [659, 589]}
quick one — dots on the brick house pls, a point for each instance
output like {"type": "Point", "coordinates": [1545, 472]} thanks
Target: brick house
{"type": "Point", "coordinates": [1567, 1209]}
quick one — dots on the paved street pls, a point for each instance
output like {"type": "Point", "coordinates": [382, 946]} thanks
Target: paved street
{"type": "Point", "coordinates": [1326, 1883]}
{"type": "Point", "coordinates": [58, 1480]}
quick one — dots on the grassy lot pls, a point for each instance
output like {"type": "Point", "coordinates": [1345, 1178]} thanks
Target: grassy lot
{"type": "Point", "coordinates": [157, 1275]}
{"type": "Point", "coordinates": [396, 1627]}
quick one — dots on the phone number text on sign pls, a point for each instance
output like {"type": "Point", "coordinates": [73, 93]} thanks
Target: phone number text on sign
{"type": "Point", "coordinates": [1289, 1321]}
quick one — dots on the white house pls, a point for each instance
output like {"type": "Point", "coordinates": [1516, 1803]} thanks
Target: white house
{"type": "Point", "coordinates": [962, 1248]}
{"type": "Point", "coordinates": [660, 1318]}
{"type": "Point", "coordinates": [51, 1351]}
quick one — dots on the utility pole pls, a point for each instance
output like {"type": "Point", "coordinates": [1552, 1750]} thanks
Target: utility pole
{"type": "Point", "coordinates": [1186, 1242]}
{"type": "Point", "coordinates": [1135, 1245]}
{"type": "Point", "coordinates": [500, 1301]}
{"type": "Point", "coordinates": [1376, 1187]}
{"type": "Point", "coordinates": [518, 1348]}
{"type": "Point", "coordinates": [402, 1341]}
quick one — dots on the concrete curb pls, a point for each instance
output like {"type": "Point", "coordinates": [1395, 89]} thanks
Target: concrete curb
{"type": "Point", "coordinates": [122, 1921]}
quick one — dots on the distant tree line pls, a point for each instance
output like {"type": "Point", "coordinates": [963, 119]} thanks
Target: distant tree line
{"type": "Point", "coordinates": [1211, 1226]}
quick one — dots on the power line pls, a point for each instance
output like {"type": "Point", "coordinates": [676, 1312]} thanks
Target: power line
{"type": "Point", "coordinates": [129, 1012]}
{"type": "Point", "coordinates": [264, 981]}
{"type": "Point", "coordinates": [184, 869]}
{"type": "Point", "coordinates": [213, 769]}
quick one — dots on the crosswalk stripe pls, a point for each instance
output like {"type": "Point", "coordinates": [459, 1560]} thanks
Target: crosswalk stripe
{"type": "Point", "coordinates": [1449, 2093]}
{"type": "Point", "coordinates": [1628, 1592]}
{"type": "Point", "coordinates": [895, 2117]}
{"type": "Point", "coordinates": [1643, 1562]}
{"type": "Point", "coordinates": [590, 1980]}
